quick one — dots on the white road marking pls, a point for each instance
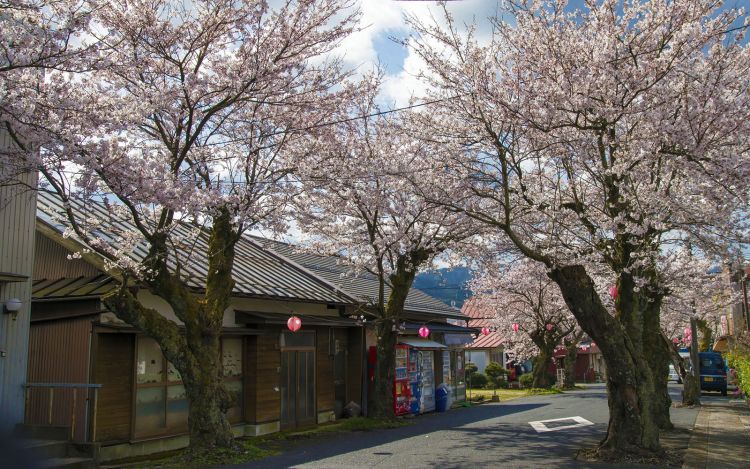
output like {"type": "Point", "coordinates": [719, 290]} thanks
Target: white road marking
{"type": "Point", "coordinates": [540, 426]}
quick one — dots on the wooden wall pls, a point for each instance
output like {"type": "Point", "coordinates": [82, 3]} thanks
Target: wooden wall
{"type": "Point", "coordinates": [51, 262]}
{"type": "Point", "coordinates": [263, 363]}
{"type": "Point", "coordinates": [113, 369]}
{"type": "Point", "coordinates": [324, 370]}
{"type": "Point", "coordinates": [354, 366]}
{"type": "Point", "coordinates": [59, 352]}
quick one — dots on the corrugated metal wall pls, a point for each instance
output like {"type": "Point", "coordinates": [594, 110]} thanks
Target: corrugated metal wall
{"type": "Point", "coordinates": [59, 353]}
{"type": "Point", "coordinates": [52, 262]}
{"type": "Point", "coordinates": [17, 221]}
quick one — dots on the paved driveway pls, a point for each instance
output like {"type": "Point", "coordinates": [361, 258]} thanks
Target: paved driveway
{"type": "Point", "coordinates": [489, 435]}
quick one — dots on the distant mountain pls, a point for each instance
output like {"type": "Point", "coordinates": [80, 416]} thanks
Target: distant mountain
{"type": "Point", "coordinates": [447, 285]}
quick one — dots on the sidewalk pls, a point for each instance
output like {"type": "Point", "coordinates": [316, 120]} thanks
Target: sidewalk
{"type": "Point", "coordinates": [721, 437]}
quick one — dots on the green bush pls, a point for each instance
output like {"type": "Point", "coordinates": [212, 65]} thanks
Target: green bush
{"type": "Point", "coordinates": [740, 361]}
{"type": "Point", "coordinates": [496, 374]}
{"type": "Point", "coordinates": [478, 380]}
{"type": "Point", "coordinates": [526, 380]}
{"type": "Point", "coordinates": [470, 368]}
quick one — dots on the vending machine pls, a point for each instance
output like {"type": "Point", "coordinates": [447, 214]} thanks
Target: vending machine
{"type": "Point", "coordinates": [427, 371]}
{"type": "Point", "coordinates": [401, 387]}
{"type": "Point", "coordinates": [415, 380]}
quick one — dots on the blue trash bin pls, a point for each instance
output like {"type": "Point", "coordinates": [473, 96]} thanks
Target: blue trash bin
{"type": "Point", "coordinates": [441, 399]}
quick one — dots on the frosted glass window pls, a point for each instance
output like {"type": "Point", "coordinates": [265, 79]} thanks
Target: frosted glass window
{"type": "Point", "coordinates": [149, 410]}
{"type": "Point", "coordinates": [177, 407]}
{"type": "Point", "coordinates": [150, 365]}
{"type": "Point", "coordinates": [231, 357]}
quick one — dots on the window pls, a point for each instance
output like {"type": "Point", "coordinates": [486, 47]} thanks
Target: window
{"type": "Point", "coordinates": [161, 404]}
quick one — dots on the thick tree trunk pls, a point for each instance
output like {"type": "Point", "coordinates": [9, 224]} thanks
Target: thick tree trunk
{"type": "Point", "coordinates": [571, 355]}
{"type": "Point", "coordinates": [381, 402]}
{"type": "Point", "coordinates": [208, 398]}
{"type": "Point", "coordinates": [706, 335]}
{"type": "Point", "coordinates": [658, 361]}
{"type": "Point", "coordinates": [631, 427]}
{"type": "Point", "coordinates": [541, 363]}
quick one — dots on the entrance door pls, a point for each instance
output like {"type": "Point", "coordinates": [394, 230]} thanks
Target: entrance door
{"type": "Point", "coordinates": [297, 388]}
{"type": "Point", "coordinates": [339, 378]}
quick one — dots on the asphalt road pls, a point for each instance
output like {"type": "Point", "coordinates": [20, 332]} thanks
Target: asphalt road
{"type": "Point", "coordinates": [489, 435]}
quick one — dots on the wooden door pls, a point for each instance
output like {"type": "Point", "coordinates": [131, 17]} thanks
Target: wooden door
{"type": "Point", "coordinates": [297, 388]}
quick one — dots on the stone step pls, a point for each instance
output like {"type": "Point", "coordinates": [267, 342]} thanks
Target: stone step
{"type": "Point", "coordinates": [42, 449]}
{"type": "Point", "coordinates": [42, 432]}
{"type": "Point", "coordinates": [67, 463]}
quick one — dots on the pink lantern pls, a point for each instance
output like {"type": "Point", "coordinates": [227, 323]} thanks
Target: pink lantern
{"type": "Point", "coordinates": [424, 332]}
{"type": "Point", "coordinates": [485, 331]}
{"type": "Point", "coordinates": [613, 292]}
{"type": "Point", "coordinates": [686, 332]}
{"type": "Point", "coordinates": [515, 327]}
{"type": "Point", "coordinates": [550, 327]}
{"type": "Point", "coordinates": [676, 340]}
{"type": "Point", "coordinates": [294, 323]}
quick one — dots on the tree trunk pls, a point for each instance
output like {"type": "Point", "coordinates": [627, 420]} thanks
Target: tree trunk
{"type": "Point", "coordinates": [541, 363]}
{"type": "Point", "coordinates": [706, 335]}
{"type": "Point", "coordinates": [658, 361]}
{"type": "Point", "coordinates": [571, 355]}
{"type": "Point", "coordinates": [381, 402]}
{"type": "Point", "coordinates": [631, 427]}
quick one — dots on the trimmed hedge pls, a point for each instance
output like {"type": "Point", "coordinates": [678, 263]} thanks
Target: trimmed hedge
{"type": "Point", "coordinates": [740, 361]}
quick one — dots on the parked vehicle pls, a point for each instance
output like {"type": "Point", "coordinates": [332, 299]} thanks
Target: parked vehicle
{"type": "Point", "coordinates": [713, 372]}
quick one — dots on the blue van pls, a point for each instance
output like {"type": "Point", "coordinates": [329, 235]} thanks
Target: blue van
{"type": "Point", "coordinates": [713, 372]}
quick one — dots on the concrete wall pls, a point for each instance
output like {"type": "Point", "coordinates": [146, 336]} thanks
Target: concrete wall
{"type": "Point", "coordinates": [17, 220]}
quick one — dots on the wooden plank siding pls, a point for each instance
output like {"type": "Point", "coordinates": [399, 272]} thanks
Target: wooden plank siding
{"type": "Point", "coordinates": [51, 262]}
{"type": "Point", "coordinates": [17, 221]}
{"type": "Point", "coordinates": [59, 352]}
{"type": "Point", "coordinates": [265, 357]}
{"type": "Point", "coordinates": [113, 369]}
{"type": "Point", "coordinates": [324, 367]}
{"type": "Point", "coordinates": [354, 366]}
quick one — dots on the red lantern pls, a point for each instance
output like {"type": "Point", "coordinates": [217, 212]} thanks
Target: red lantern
{"type": "Point", "coordinates": [613, 292]}
{"type": "Point", "coordinates": [515, 327]}
{"type": "Point", "coordinates": [424, 332]}
{"type": "Point", "coordinates": [550, 327]}
{"type": "Point", "coordinates": [485, 331]}
{"type": "Point", "coordinates": [294, 323]}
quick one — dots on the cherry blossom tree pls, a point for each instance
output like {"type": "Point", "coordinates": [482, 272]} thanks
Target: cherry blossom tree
{"type": "Point", "coordinates": [355, 203]}
{"type": "Point", "coordinates": [596, 137]}
{"type": "Point", "coordinates": [193, 116]}
{"type": "Point", "coordinates": [531, 316]}
{"type": "Point", "coordinates": [38, 35]}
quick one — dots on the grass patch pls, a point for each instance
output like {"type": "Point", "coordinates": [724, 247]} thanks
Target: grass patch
{"type": "Point", "coordinates": [508, 394]}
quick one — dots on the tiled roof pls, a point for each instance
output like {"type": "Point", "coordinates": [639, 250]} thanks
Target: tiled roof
{"type": "Point", "coordinates": [363, 287]}
{"type": "Point", "coordinates": [480, 318]}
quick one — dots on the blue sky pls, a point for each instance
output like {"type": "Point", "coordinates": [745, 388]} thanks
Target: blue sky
{"type": "Point", "coordinates": [383, 19]}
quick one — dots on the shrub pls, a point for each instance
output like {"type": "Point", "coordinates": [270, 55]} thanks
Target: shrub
{"type": "Point", "coordinates": [526, 380]}
{"type": "Point", "coordinates": [470, 368]}
{"type": "Point", "coordinates": [740, 361]}
{"type": "Point", "coordinates": [496, 374]}
{"type": "Point", "coordinates": [478, 380]}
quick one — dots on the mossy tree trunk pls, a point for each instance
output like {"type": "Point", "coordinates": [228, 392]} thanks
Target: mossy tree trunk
{"type": "Point", "coordinates": [401, 279]}
{"type": "Point", "coordinates": [546, 341]}
{"type": "Point", "coordinates": [631, 427]}
{"type": "Point", "coordinates": [194, 351]}
{"type": "Point", "coordinates": [706, 335]}
{"type": "Point", "coordinates": [658, 360]}
{"type": "Point", "coordinates": [571, 356]}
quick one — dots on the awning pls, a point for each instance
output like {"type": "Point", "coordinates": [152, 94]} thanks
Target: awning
{"type": "Point", "coordinates": [442, 327]}
{"type": "Point", "coordinates": [421, 343]}
{"type": "Point", "coordinates": [721, 344]}
{"type": "Point", "coordinates": [254, 317]}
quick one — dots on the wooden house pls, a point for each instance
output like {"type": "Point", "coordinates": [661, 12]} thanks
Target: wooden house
{"type": "Point", "coordinates": [130, 400]}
